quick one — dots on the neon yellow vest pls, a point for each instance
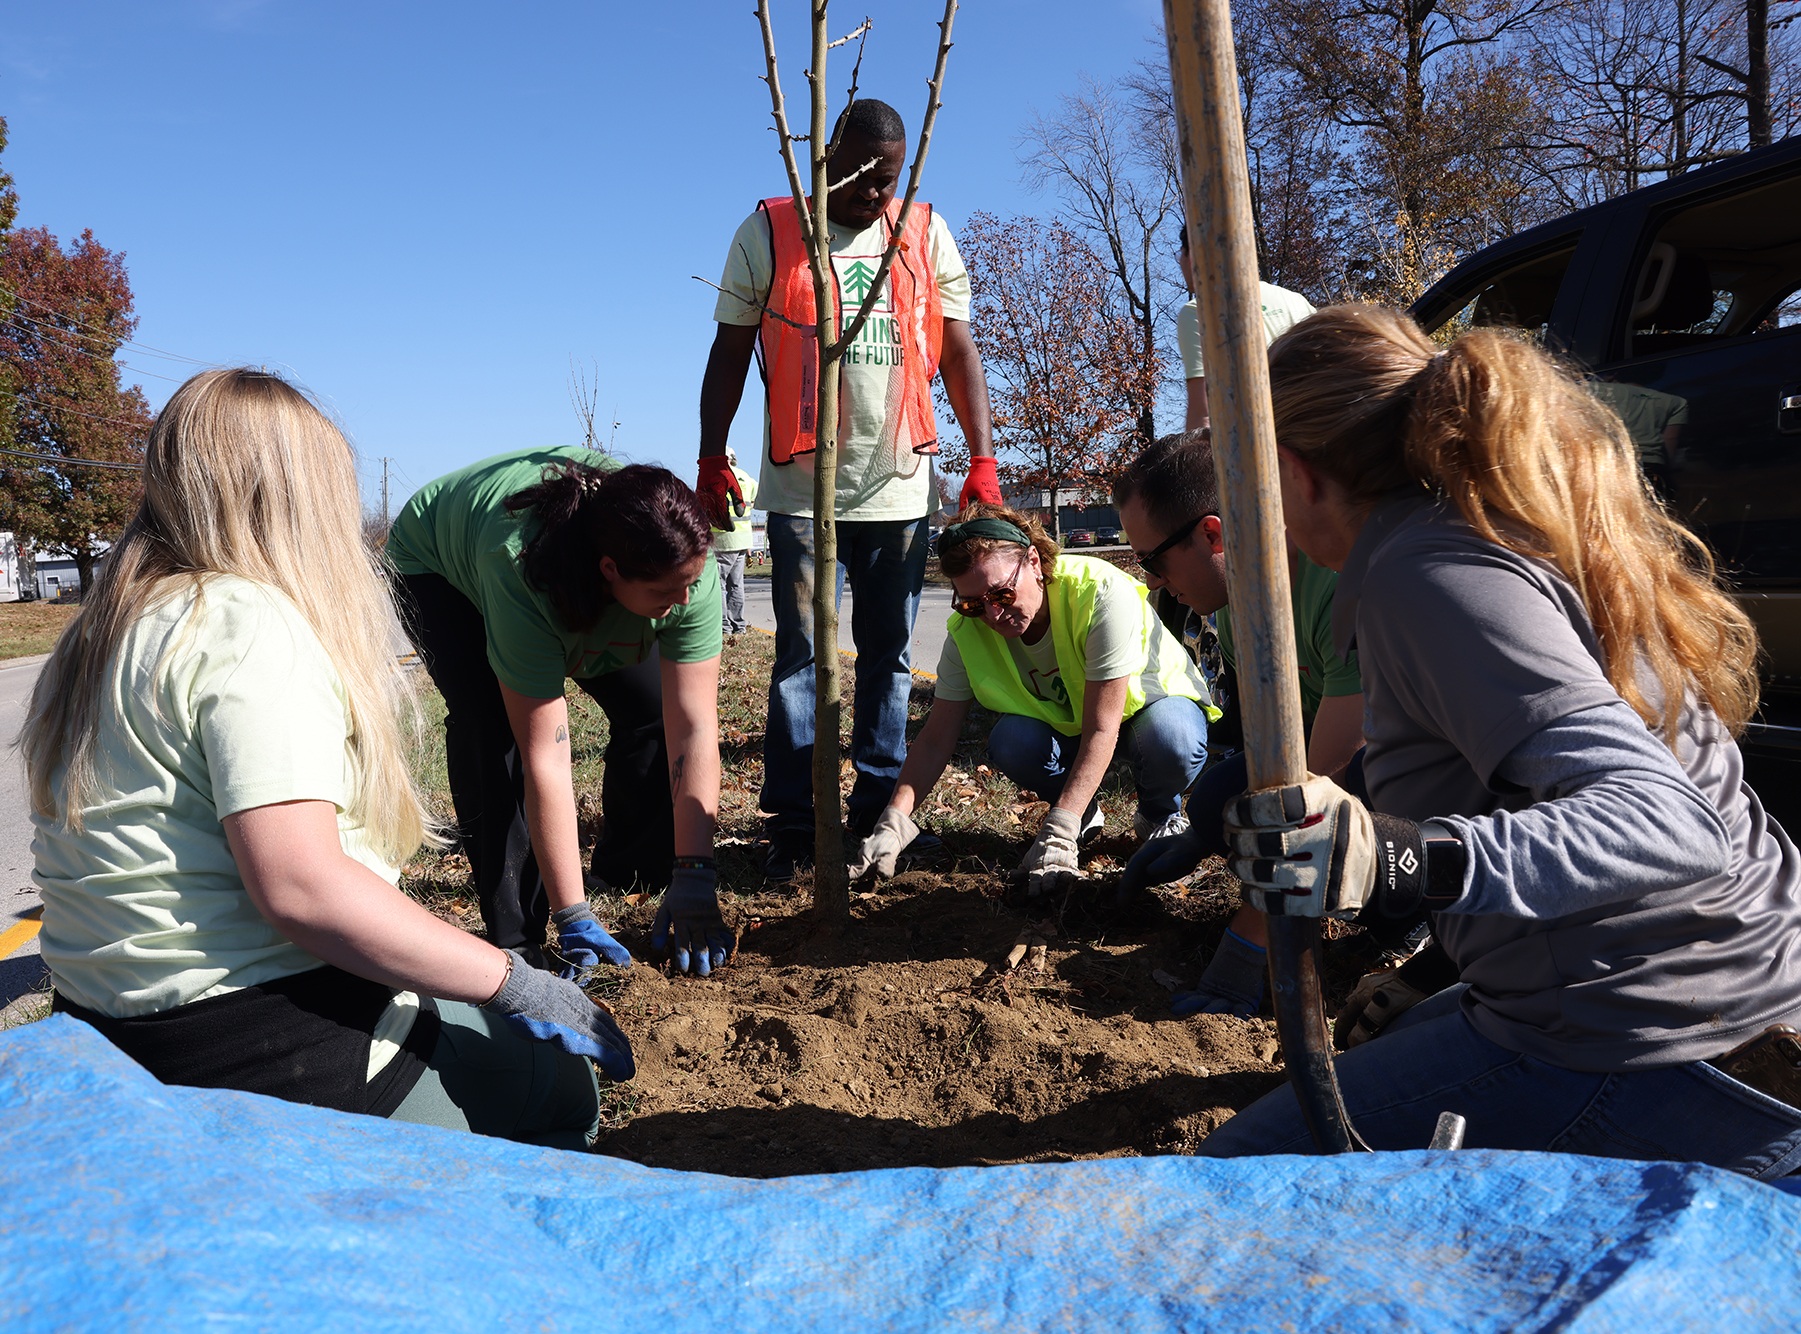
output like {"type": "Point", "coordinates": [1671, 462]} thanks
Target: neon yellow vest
{"type": "Point", "coordinates": [994, 674]}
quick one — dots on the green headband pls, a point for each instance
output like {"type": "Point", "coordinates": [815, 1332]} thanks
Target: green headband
{"type": "Point", "coordinates": [998, 529]}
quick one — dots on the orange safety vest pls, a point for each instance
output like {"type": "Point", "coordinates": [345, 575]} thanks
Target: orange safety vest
{"type": "Point", "coordinates": [789, 357]}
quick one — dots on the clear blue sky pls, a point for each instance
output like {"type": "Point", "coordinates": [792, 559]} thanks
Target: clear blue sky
{"type": "Point", "coordinates": [423, 211]}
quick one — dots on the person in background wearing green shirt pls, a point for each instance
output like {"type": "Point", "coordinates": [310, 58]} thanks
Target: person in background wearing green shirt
{"type": "Point", "coordinates": [529, 568]}
{"type": "Point", "coordinates": [1168, 502]}
{"type": "Point", "coordinates": [222, 798]}
{"type": "Point", "coordinates": [730, 546]}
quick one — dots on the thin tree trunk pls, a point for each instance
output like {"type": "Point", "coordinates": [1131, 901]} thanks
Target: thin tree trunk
{"type": "Point", "coordinates": [831, 883]}
{"type": "Point", "coordinates": [1757, 72]}
{"type": "Point", "coordinates": [84, 570]}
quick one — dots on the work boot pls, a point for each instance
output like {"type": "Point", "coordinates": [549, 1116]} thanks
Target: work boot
{"type": "Point", "coordinates": [790, 852]}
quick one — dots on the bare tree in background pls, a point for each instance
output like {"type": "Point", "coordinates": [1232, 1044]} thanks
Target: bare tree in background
{"type": "Point", "coordinates": [831, 881]}
{"type": "Point", "coordinates": [1069, 373]}
{"type": "Point", "coordinates": [1648, 89]}
{"type": "Point", "coordinates": [1109, 151]}
{"type": "Point", "coordinates": [584, 397]}
{"type": "Point", "coordinates": [1435, 109]}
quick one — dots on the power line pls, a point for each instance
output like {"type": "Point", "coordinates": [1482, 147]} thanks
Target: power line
{"type": "Point", "coordinates": [110, 421]}
{"type": "Point", "coordinates": [47, 327]}
{"type": "Point", "coordinates": [96, 329]}
{"type": "Point", "coordinates": [63, 458]}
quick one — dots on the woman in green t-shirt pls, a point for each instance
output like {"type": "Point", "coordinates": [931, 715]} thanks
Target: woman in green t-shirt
{"type": "Point", "coordinates": [520, 572]}
{"type": "Point", "coordinates": [222, 797]}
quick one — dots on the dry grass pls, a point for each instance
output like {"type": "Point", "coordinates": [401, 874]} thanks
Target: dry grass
{"type": "Point", "coordinates": [30, 628]}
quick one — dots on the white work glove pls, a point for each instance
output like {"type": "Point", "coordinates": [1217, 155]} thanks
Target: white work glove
{"type": "Point", "coordinates": [878, 853]}
{"type": "Point", "coordinates": [1377, 1001]}
{"type": "Point", "coordinates": [1313, 849]}
{"type": "Point", "coordinates": [1050, 863]}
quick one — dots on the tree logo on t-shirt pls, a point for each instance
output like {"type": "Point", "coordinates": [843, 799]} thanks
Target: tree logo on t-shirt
{"type": "Point", "coordinates": [856, 276]}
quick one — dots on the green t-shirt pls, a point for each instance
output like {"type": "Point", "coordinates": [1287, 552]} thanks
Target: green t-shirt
{"type": "Point", "coordinates": [878, 478]}
{"type": "Point", "coordinates": [209, 711]}
{"type": "Point", "coordinates": [458, 526]}
{"type": "Point", "coordinates": [1647, 415]}
{"type": "Point", "coordinates": [1323, 673]}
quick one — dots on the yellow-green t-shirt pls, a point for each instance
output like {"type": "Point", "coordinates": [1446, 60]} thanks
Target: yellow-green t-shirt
{"type": "Point", "coordinates": [877, 478]}
{"type": "Point", "coordinates": [459, 527]}
{"type": "Point", "coordinates": [214, 704]}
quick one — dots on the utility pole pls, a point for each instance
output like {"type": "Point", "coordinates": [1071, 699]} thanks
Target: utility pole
{"type": "Point", "coordinates": [384, 494]}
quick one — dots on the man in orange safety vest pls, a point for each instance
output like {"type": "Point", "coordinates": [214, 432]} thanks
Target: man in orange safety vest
{"type": "Point", "coordinates": [887, 435]}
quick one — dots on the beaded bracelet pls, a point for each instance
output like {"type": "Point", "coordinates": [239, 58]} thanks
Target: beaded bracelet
{"type": "Point", "coordinates": [695, 864]}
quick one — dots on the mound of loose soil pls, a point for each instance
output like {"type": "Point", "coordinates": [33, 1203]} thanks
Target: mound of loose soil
{"type": "Point", "coordinates": [944, 1026]}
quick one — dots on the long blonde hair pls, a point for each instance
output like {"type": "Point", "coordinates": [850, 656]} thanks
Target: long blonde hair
{"type": "Point", "coordinates": [1534, 463]}
{"type": "Point", "coordinates": [243, 475]}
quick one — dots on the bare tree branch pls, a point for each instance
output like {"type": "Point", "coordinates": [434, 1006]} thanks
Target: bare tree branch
{"type": "Point", "coordinates": [873, 162]}
{"type": "Point", "coordinates": [780, 113]}
{"type": "Point", "coordinates": [934, 87]}
{"type": "Point", "coordinates": [851, 36]}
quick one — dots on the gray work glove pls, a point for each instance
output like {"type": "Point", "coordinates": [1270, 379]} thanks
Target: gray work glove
{"type": "Point", "coordinates": [879, 852]}
{"type": "Point", "coordinates": [1375, 1003]}
{"type": "Point", "coordinates": [546, 1008]}
{"type": "Point", "coordinates": [1050, 863]}
{"type": "Point", "coordinates": [689, 921]}
{"type": "Point", "coordinates": [1307, 850]}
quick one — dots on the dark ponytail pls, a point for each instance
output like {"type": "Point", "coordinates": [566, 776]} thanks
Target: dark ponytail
{"type": "Point", "coordinates": [646, 518]}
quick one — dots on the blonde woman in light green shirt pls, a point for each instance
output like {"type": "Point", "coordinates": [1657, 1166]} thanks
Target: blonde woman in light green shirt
{"type": "Point", "coordinates": [221, 796]}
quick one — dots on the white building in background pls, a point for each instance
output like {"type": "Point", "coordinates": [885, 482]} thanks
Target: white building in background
{"type": "Point", "coordinates": [54, 573]}
{"type": "Point", "coordinates": [9, 568]}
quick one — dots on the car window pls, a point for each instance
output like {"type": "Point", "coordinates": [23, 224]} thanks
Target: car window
{"type": "Point", "coordinates": [1729, 268]}
{"type": "Point", "coordinates": [1707, 351]}
{"type": "Point", "coordinates": [1519, 296]}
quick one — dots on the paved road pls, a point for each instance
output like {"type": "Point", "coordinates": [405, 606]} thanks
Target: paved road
{"type": "Point", "coordinates": [928, 631]}
{"type": "Point", "coordinates": [22, 970]}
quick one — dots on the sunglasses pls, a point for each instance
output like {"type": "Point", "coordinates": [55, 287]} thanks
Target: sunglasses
{"type": "Point", "coordinates": [1004, 596]}
{"type": "Point", "coordinates": [1151, 562]}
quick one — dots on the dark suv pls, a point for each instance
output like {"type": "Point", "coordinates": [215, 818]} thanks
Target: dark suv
{"type": "Point", "coordinates": [1683, 300]}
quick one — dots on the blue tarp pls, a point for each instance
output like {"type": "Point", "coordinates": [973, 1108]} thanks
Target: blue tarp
{"type": "Point", "coordinates": [133, 1206]}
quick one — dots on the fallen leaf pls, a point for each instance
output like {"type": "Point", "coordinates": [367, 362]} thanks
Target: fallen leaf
{"type": "Point", "coordinates": [1166, 981]}
{"type": "Point", "coordinates": [636, 899]}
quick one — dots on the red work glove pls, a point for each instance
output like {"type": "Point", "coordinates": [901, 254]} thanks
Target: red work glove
{"type": "Point", "coordinates": [983, 483]}
{"type": "Point", "coordinates": [719, 491]}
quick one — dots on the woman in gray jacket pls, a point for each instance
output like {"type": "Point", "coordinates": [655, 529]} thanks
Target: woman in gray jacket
{"type": "Point", "coordinates": [1553, 681]}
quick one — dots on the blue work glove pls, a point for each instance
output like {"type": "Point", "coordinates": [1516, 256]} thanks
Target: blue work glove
{"type": "Point", "coordinates": [1165, 859]}
{"type": "Point", "coordinates": [689, 920]}
{"type": "Point", "coordinates": [550, 1009]}
{"type": "Point", "coordinates": [583, 942]}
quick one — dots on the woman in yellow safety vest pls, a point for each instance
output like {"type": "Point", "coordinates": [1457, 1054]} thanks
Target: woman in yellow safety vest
{"type": "Point", "coordinates": [1067, 650]}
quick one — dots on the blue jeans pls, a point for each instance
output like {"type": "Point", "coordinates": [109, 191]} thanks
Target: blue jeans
{"type": "Point", "coordinates": [1433, 1060]}
{"type": "Point", "coordinates": [1166, 744]}
{"type": "Point", "coordinates": [885, 562]}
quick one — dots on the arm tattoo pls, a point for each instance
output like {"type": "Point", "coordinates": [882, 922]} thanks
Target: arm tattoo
{"type": "Point", "coordinates": [562, 733]}
{"type": "Point", "coordinates": [675, 773]}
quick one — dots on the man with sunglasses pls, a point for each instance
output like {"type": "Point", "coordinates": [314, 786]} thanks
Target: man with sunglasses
{"type": "Point", "coordinates": [1067, 652]}
{"type": "Point", "coordinates": [1168, 502]}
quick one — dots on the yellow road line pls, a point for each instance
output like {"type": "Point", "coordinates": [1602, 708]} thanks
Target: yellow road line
{"type": "Point", "coordinates": [21, 934]}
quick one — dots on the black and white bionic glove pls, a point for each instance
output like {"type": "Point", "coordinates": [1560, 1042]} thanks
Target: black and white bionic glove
{"type": "Point", "coordinates": [1313, 850]}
